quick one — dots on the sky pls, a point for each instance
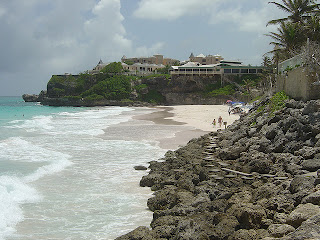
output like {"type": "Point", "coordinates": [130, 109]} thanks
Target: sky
{"type": "Point", "coordinates": [40, 38]}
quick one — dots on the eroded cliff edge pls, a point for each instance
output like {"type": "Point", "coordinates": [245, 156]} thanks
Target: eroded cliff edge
{"type": "Point", "coordinates": [255, 180]}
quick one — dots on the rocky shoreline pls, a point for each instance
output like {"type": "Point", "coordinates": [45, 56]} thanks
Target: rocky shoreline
{"type": "Point", "coordinates": [255, 180]}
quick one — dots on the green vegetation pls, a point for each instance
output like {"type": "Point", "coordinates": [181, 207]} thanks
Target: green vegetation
{"type": "Point", "coordinates": [164, 70]}
{"type": "Point", "coordinates": [302, 23]}
{"type": "Point", "coordinates": [114, 88]}
{"type": "Point", "coordinates": [167, 76]}
{"type": "Point", "coordinates": [278, 101]}
{"type": "Point", "coordinates": [58, 92]}
{"type": "Point", "coordinates": [223, 91]}
{"type": "Point", "coordinates": [140, 87]}
{"type": "Point", "coordinates": [153, 96]}
{"type": "Point", "coordinates": [114, 67]}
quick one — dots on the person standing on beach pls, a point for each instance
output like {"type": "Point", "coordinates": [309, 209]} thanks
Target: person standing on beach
{"type": "Point", "coordinates": [214, 123]}
{"type": "Point", "coordinates": [220, 121]}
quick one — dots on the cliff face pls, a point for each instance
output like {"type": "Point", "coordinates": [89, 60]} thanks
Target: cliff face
{"type": "Point", "coordinates": [91, 90]}
{"type": "Point", "coordinates": [254, 180]}
{"type": "Point", "coordinates": [191, 90]}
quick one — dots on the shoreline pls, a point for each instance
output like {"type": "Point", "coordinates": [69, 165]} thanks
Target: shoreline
{"type": "Point", "coordinates": [196, 121]}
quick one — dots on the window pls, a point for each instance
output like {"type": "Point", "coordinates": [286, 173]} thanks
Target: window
{"type": "Point", "coordinates": [235, 70]}
{"type": "Point", "coordinates": [252, 71]}
{"type": "Point", "coordinates": [227, 70]}
{"type": "Point", "coordinates": [244, 70]}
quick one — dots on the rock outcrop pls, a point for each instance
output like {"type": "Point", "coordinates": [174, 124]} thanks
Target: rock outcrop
{"type": "Point", "coordinates": [34, 97]}
{"type": "Point", "coordinates": [250, 181]}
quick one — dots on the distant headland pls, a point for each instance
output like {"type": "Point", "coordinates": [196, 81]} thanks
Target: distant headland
{"type": "Point", "coordinates": [144, 81]}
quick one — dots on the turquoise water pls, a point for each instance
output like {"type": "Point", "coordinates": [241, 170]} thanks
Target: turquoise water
{"type": "Point", "coordinates": [14, 109]}
{"type": "Point", "coordinates": [62, 178]}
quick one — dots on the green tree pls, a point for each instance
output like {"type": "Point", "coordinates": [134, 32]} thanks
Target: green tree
{"type": "Point", "coordinates": [301, 23]}
{"type": "Point", "coordinates": [289, 38]}
{"type": "Point", "coordinates": [114, 67]}
{"type": "Point", "coordinates": [299, 10]}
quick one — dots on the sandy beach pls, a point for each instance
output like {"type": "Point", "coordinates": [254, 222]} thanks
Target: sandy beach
{"type": "Point", "coordinates": [201, 116]}
{"type": "Point", "coordinates": [191, 121]}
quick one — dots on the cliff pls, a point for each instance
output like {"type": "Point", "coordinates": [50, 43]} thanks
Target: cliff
{"type": "Point", "coordinates": [105, 89]}
{"type": "Point", "coordinates": [254, 180]}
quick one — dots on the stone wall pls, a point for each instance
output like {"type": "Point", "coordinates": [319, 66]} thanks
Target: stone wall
{"type": "Point", "coordinates": [298, 84]}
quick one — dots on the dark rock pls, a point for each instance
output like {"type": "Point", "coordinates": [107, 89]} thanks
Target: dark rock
{"type": "Point", "coordinates": [260, 165]}
{"type": "Point", "coordinates": [140, 233]}
{"type": "Point", "coordinates": [248, 215]}
{"type": "Point", "coordinates": [311, 164]}
{"type": "Point", "coordinates": [151, 179]}
{"type": "Point", "coordinates": [313, 198]}
{"type": "Point", "coordinates": [140, 168]}
{"type": "Point", "coordinates": [279, 230]}
{"type": "Point", "coordinates": [30, 98]}
{"type": "Point", "coordinates": [302, 213]}
{"type": "Point", "coordinates": [301, 183]}
{"type": "Point", "coordinates": [311, 107]}
{"type": "Point", "coordinates": [309, 229]}
{"type": "Point", "coordinates": [244, 234]}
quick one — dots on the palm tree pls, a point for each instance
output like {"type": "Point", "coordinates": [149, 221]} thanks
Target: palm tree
{"type": "Point", "coordinates": [290, 37]}
{"type": "Point", "coordinates": [299, 10]}
{"type": "Point", "coordinates": [313, 28]}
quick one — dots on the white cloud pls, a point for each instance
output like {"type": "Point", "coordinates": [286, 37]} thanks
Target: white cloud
{"type": "Point", "coordinates": [243, 14]}
{"type": "Point", "coordinates": [154, 49]}
{"type": "Point", "coordinates": [171, 10]}
{"type": "Point", "coordinates": [46, 37]}
{"type": "Point", "coordinates": [2, 11]}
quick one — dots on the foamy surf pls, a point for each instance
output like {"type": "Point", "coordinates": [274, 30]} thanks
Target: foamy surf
{"type": "Point", "coordinates": [63, 180]}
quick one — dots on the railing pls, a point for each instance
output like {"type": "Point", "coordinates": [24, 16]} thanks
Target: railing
{"type": "Point", "coordinates": [290, 63]}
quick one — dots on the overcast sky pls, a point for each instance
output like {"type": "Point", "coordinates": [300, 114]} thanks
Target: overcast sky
{"type": "Point", "coordinates": [44, 37]}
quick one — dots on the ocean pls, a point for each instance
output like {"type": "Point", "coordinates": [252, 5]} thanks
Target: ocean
{"type": "Point", "coordinates": [63, 175]}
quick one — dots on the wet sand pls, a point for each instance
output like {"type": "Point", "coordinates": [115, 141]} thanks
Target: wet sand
{"type": "Point", "coordinates": [170, 127]}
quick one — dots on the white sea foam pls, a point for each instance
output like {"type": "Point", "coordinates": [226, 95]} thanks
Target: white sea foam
{"type": "Point", "coordinates": [19, 149]}
{"type": "Point", "coordinates": [13, 193]}
{"type": "Point", "coordinates": [35, 124]}
{"type": "Point", "coordinates": [89, 187]}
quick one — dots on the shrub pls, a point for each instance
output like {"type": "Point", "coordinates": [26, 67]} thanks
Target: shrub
{"type": "Point", "coordinates": [278, 101]}
{"type": "Point", "coordinates": [94, 97]}
{"type": "Point", "coordinates": [227, 90]}
{"type": "Point", "coordinates": [114, 67]}
{"type": "Point", "coordinates": [141, 86]}
{"type": "Point", "coordinates": [114, 88]}
{"type": "Point", "coordinates": [153, 96]}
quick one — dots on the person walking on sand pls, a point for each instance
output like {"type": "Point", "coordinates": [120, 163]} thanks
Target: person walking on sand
{"type": "Point", "coordinates": [220, 121]}
{"type": "Point", "coordinates": [214, 123]}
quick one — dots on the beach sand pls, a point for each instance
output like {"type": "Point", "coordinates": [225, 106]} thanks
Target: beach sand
{"type": "Point", "coordinates": [196, 120]}
{"type": "Point", "coordinates": [201, 116]}
{"type": "Point", "coordinates": [170, 127]}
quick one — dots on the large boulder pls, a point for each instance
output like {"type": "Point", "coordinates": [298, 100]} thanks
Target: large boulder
{"type": "Point", "coordinates": [301, 183]}
{"type": "Point", "coordinates": [309, 229]}
{"type": "Point", "coordinates": [311, 164]}
{"type": "Point", "coordinates": [248, 215]}
{"type": "Point", "coordinates": [313, 198]}
{"type": "Point", "coordinates": [302, 213]}
{"type": "Point", "coordinates": [279, 230]}
{"type": "Point", "coordinates": [30, 97]}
